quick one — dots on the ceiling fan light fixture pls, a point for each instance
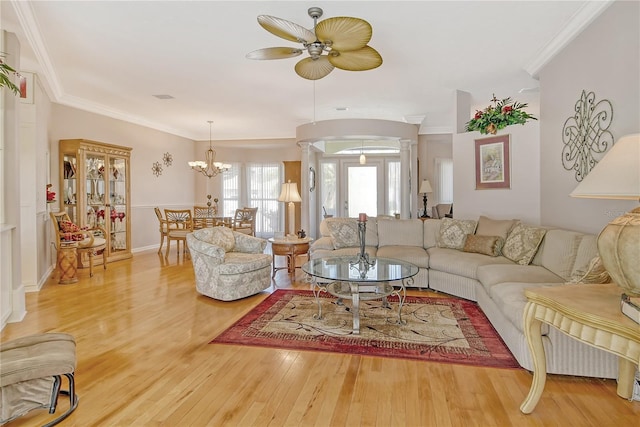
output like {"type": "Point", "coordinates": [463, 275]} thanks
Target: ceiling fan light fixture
{"type": "Point", "coordinates": [343, 38]}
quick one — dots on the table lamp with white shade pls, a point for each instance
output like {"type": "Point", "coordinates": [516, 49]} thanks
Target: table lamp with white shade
{"type": "Point", "coordinates": [425, 187]}
{"type": "Point", "coordinates": [289, 194]}
{"type": "Point", "coordinates": [617, 176]}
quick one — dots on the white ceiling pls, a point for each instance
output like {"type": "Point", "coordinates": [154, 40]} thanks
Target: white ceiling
{"type": "Point", "coordinates": [112, 57]}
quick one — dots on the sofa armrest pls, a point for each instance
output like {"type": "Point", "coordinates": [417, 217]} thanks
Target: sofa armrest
{"type": "Point", "coordinates": [249, 244]}
{"type": "Point", "coordinates": [323, 243]}
{"type": "Point", "coordinates": [207, 249]}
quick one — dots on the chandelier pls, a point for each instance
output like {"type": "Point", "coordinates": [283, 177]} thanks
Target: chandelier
{"type": "Point", "coordinates": [209, 167]}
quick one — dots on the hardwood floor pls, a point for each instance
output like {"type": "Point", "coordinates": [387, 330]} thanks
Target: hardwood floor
{"type": "Point", "coordinates": [144, 358]}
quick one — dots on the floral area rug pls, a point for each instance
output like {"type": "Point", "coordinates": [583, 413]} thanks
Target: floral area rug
{"type": "Point", "coordinates": [447, 330]}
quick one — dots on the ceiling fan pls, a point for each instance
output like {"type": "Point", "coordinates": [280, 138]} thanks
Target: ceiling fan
{"type": "Point", "coordinates": [339, 42]}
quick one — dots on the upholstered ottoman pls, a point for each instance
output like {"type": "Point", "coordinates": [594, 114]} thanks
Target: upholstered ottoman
{"type": "Point", "coordinates": [30, 374]}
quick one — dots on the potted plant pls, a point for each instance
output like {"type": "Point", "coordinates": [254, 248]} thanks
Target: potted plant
{"type": "Point", "coordinates": [5, 71]}
{"type": "Point", "coordinates": [498, 116]}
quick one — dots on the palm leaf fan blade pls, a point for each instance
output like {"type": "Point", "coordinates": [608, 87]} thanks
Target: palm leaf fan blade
{"type": "Point", "coordinates": [314, 69]}
{"type": "Point", "coordinates": [274, 53]}
{"type": "Point", "coordinates": [363, 59]}
{"type": "Point", "coordinates": [344, 33]}
{"type": "Point", "coordinates": [286, 29]}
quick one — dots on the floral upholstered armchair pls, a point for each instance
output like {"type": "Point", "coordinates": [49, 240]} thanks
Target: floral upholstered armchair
{"type": "Point", "coordinates": [228, 265]}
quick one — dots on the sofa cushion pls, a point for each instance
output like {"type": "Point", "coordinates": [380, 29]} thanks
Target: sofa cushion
{"type": "Point", "coordinates": [240, 262]}
{"type": "Point", "coordinates": [431, 229]}
{"type": "Point", "coordinates": [491, 275]}
{"type": "Point", "coordinates": [453, 232]}
{"type": "Point", "coordinates": [407, 232]}
{"type": "Point", "coordinates": [522, 243]}
{"type": "Point", "coordinates": [460, 263]}
{"type": "Point", "coordinates": [221, 236]}
{"type": "Point", "coordinates": [324, 242]}
{"type": "Point", "coordinates": [486, 245]}
{"type": "Point", "coordinates": [509, 297]}
{"type": "Point", "coordinates": [415, 255]}
{"type": "Point", "coordinates": [587, 250]}
{"type": "Point", "coordinates": [594, 273]}
{"type": "Point", "coordinates": [495, 227]}
{"type": "Point", "coordinates": [558, 251]}
{"type": "Point", "coordinates": [331, 253]}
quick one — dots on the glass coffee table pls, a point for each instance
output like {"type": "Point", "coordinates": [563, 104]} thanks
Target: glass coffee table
{"type": "Point", "coordinates": [345, 278]}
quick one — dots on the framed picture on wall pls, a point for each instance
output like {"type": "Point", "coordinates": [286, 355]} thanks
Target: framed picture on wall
{"type": "Point", "coordinates": [493, 169]}
{"type": "Point", "coordinates": [26, 88]}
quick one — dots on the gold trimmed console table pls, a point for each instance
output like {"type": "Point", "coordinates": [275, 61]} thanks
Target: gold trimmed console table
{"type": "Point", "coordinates": [589, 313]}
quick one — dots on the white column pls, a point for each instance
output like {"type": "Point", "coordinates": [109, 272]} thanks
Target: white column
{"type": "Point", "coordinates": [304, 185]}
{"type": "Point", "coordinates": [405, 165]}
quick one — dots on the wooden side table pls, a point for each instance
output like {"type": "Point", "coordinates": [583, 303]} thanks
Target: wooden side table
{"type": "Point", "coordinates": [289, 248]}
{"type": "Point", "coordinates": [589, 313]}
{"type": "Point", "coordinates": [68, 262]}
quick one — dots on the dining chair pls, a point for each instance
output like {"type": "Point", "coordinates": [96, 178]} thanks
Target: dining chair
{"type": "Point", "coordinates": [163, 227]}
{"type": "Point", "coordinates": [180, 223]}
{"type": "Point", "coordinates": [90, 241]}
{"type": "Point", "coordinates": [203, 216]}
{"type": "Point", "coordinates": [244, 221]}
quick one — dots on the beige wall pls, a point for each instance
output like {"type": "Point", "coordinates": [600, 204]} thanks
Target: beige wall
{"type": "Point", "coordinates": [431, 147]}
{"type": "Point", "coordinates": [522, 200]}
{"type": "Point", "coordinates": [178, 186]}
{"type": "Point", "coordinates": [605, 59]}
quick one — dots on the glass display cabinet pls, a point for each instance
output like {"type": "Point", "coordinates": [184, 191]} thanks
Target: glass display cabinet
{"type": "Point", "coordinates": [95, 192]}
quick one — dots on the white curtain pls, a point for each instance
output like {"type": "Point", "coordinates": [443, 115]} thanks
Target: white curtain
{"type": "Point", "coordinates": [444, 180]}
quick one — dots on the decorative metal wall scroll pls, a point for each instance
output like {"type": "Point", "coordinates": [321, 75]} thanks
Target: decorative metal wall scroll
{"type": "Point", "coordinates": [167, 159]}
{"type": "Point", "coordinates": [585, 135]}
{"type": "Point", "coordinates": [156, 169]}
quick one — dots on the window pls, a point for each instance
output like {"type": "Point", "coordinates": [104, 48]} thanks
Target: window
{"type": "Point", "coordinates": [231, 190]}
{"type": "Point", "coordinates": [444, 180]}
{"type": "Point", "coordinates": [258, 187]}
{"type": "Point", "coordinates": [263, 188]}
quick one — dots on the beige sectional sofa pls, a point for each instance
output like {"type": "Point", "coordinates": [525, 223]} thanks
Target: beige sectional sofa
{"type": "Point", "coordinates": [492, 267]}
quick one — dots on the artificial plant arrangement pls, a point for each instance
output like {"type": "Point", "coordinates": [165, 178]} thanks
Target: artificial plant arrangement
{"type": "Point", "coordinates": [498, 116]}
{"type": "Point", "coordinates": [5, 71]}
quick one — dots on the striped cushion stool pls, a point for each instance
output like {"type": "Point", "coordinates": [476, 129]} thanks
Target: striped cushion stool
{"type": "Point", "coordinates": [31, 375]}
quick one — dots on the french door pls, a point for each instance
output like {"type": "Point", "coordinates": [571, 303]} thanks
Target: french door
{"type": "Point", "coordinates": [362, 188]}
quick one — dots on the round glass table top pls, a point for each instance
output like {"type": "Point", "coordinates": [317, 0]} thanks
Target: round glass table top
{"type": "Point", "coordinates": [348, 269]}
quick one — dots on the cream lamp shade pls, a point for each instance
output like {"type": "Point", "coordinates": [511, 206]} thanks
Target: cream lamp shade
{"type": "Point", "coordinates": [425, 187]}
{"type": "Point", "coordinates": [289, 194]}
{"type": "Point", "coordinates": [617, 176]}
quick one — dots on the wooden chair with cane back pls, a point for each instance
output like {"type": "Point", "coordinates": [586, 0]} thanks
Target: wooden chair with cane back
{"type": "Point", "coordinates": [90, 240]}
{"type": "Point", "coordinates": [179, 224]}
{"type": "Point", "coordinates": [244, 221]}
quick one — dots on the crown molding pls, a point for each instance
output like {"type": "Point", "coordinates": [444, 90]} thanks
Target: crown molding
{"type": "Point", "coordinates": [430, 130]}
{"type": "Point", "coordinates": [56, 93]}
{"type": "Point", "coordinates": [578, 22]}
{"type": "Point", "coordinates": [84, 105]}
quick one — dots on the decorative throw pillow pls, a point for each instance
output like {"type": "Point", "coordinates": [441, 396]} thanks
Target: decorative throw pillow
{"type": "Point", "coordinates": [453, 232]}
{"type": "Point", "coordinates": [495, 227]}
{"type": "Point", "coordinates": [344, 233]}
{"type": "Point", "coordinates": [487, 245]}
{"type": "Point", "coordinates": [522, 244]}
{"type": "Point", "coordinates": [67, 228]}
{"type": "Point", "coordinates": [595, 273]}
